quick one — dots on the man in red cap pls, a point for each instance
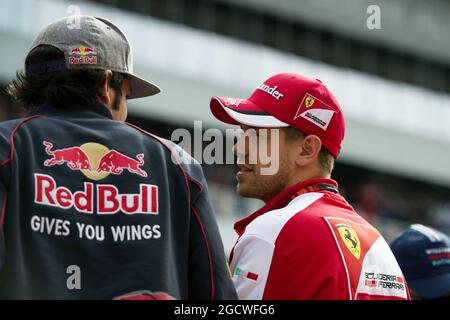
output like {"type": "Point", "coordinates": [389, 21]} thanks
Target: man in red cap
{"type": "Point", "coordinates": [306, 242]}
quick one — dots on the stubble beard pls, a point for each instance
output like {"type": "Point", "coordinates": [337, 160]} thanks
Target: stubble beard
{"type": "Point", "coordinates": [264, 187]}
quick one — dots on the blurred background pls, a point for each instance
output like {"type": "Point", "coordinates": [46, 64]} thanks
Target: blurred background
{"type": "Point", "coordinates": [393, 82]}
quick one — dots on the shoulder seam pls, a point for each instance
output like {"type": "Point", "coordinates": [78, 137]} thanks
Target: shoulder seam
{"type": "Point", "coordinates": [185, 175]}
{"type": "Point", "coordinates": [205, 239]}
{"type": "Point", "coordinates": [196, 182]}
{"type": "Point", "coordinates": [3, 209]}
{"type": "Point", "coordinates": [10, 159]}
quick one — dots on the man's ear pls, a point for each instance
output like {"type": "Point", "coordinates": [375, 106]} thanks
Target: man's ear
{"type": "Point", "coordinates": [107, 93]}
{"type": "Point", "coordinates": [308, 150]}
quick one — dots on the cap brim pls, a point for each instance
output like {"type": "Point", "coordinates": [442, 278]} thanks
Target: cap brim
{"type": "Point", "coordinates": [432, 288]}
{"type": "Point", "coordinates": [242, 111]}
{"type": "Point", "coordinates": [141, 88]}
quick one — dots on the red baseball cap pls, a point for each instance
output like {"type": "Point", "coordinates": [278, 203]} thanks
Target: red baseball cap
{"type": "Point", "coordinates": [288, 99]}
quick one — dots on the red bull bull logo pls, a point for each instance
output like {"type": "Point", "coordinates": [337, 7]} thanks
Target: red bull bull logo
{"type": "Point", "coordinates": [94, 160]}
{"type": "Point", "coordinates": [82, 55]}
{"type": "Point", "coordinates": [74, 157]}
{"type": "Point", "coordinates": [82, 51]}
{"type": "Point", "coordinates": [115, 162]}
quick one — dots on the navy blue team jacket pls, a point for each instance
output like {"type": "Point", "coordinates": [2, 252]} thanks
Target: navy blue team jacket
{"type": "Point", "coordinates": [93, 208]}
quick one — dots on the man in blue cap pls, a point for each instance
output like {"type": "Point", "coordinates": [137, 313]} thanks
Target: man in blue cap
{"type": "Point", "coordinates": [424, 257]}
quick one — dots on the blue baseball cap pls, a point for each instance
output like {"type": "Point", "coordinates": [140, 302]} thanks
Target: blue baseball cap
{"type": "Point", "coordinates": [423, 254]}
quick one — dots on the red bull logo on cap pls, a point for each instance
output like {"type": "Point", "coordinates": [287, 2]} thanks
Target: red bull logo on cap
{"type": "Point", "coordinates": [82, 51]}
{"type": "Point", "coordinates": [82, 55]}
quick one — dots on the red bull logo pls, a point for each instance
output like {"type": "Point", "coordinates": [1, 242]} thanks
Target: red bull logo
{"type": "Point", "coordinates": [94, 160]}
{"type": "Point", "coordinates": [105, 199]}
{"type": "Point", "coordinates": [115, 162]}
{"type": "Point", "coordinates": [82, 55]}
{"type": "Point", "coordinates": [74, 157]}
{"type": "Point", "coordinates": [82, 51]}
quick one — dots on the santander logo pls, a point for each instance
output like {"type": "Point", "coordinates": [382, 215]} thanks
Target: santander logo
{"type": "Point", "coordinates": [271, 90]}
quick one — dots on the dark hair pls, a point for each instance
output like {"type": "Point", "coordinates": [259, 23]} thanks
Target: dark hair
{"type": "Point", "coordinates": [326, 159]}
{"type": "Point", "coordinates": [76, 86]}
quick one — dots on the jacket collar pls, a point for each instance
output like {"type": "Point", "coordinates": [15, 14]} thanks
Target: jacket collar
{"type": "Point", "coordinates": [78, 111]}
{"type": "Point", "coordinates": [281, 200]}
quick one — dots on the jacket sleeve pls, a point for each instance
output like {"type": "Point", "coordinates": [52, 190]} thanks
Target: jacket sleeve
{"type": "Point", "coordinates": [209, 274]}
{"type": "Point", "coordinates": [252, 257]}
{"type": "Point", "coordinates": [4, 176]}
{"type": "Point", "coordinates": [3, 196]}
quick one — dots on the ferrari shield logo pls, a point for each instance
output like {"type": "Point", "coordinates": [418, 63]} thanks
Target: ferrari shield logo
{"type": "Point", "coordinates": [351, 240]}
{"type": "Point", "coordinates": [309, 101]}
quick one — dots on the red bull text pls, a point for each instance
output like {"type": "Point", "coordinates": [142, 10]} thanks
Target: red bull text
{"type": "Point", "coordinates": [103, 198]}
